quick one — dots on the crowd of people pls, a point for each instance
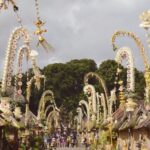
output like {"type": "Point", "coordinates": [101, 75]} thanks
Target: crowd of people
{"type": "Point", "coordinates": [59, 138]}
{"type": "Point", "coordinates": [45, 140]}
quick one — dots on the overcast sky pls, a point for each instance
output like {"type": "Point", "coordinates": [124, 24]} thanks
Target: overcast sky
{"type": "Point", "coordinates": [78, 28]}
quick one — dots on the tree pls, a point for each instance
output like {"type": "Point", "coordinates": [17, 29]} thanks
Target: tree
{"type": "Point", "coordinates": [139, 83]}
{"type": "Point", "coordinates": [108, 69]}
{"type": "Point", "coordinates": [66, 81]}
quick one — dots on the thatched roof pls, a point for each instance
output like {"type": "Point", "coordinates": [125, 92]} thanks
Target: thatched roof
{"type": "Point", "coordinates": [10, 120]}
{"type": "Point", "coordinates": [139, 118]}
{"type": "Point", "coordinates": [143, 124]}
{"type": "Point", "coordinates": [118, 113]}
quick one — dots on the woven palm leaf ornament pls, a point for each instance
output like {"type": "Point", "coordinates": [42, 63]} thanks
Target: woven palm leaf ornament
{"type": "Point", "coordinates": [40, 31]}
{"type": "Point", "coordinates": [5, 3]}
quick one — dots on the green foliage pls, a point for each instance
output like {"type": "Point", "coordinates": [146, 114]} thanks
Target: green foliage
{"type": "Point", "coordinates": [104, 137]}
{"type": "Point", "coordinates": [139, 83]}
{"type": "Point", "coordinates": [35, 97]}
{"type": "Point", "coordinates": [66, 81]}
{"type": "Point", "coordinates": [3, 94]}
{"type": "Point", "coordinates": [108, 69]}
{"type": "Point", "coordinates": [35, 93]}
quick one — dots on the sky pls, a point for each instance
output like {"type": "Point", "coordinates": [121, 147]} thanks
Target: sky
{"type": "Point", "coordinates": [78, 28]}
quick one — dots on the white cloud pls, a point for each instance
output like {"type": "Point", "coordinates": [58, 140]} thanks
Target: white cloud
{"type": "Point", "coordinates": [53, 60]}
{"type": "Point", "coordinates": [78, 28]}
{"type": "Point", "coordinates": [127, 3]}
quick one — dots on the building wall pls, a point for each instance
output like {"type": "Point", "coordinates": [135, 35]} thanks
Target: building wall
{"type": "Point", "coordinates": [142, 135]}
{"type": "Point", "coordinates": [123, 140]}
{"type": "Point", "coordinates": [126, 139]}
